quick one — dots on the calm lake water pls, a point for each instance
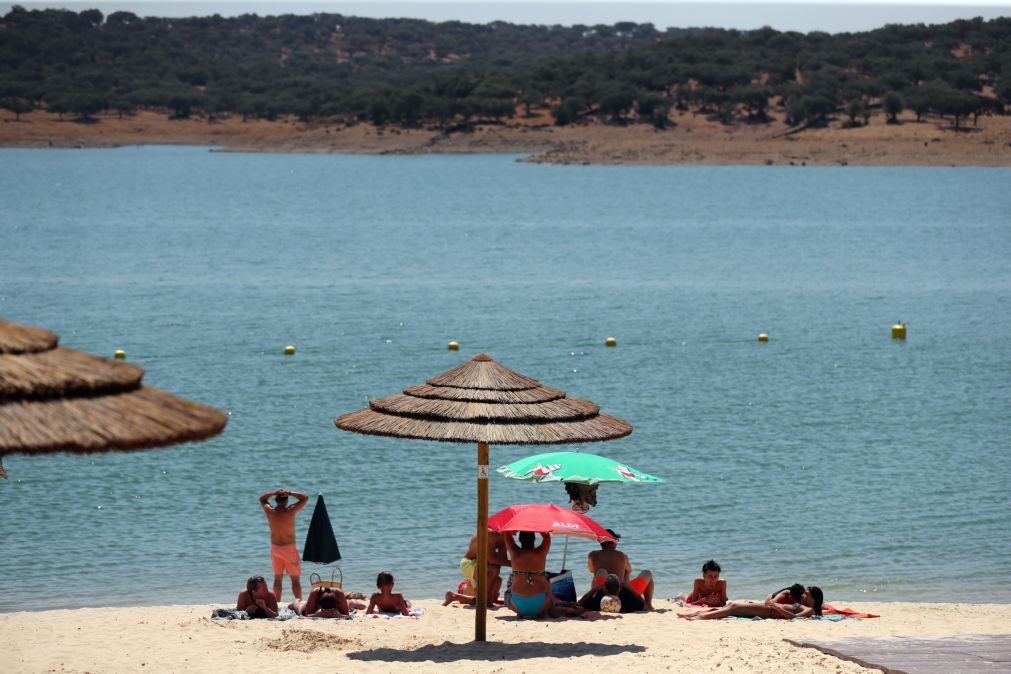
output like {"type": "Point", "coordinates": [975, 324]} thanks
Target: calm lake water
{"type": "Point", "coordinates": [831, 455]}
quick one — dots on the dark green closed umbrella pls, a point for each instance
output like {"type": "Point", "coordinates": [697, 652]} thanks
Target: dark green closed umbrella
{"type": "Point", "coordinates": [320, 543]}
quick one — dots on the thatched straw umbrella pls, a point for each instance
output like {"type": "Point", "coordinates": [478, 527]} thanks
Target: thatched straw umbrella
{"type": "Point", "coordinates": [484, 402]}
{"type": "Point", "coordinates": [60, 400]}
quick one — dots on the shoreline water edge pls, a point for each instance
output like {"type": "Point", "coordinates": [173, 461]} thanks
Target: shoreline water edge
{"type": "Point", "coordinates": [693, 140]}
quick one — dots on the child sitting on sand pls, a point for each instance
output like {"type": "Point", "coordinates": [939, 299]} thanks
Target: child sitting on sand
{"type": "Point", "coordinates": [385, 600]}
{"type": "Point", "coordinates": [709, 590]}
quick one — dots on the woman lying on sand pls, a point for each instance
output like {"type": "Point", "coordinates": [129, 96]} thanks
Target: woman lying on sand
{"type": "Point", "coordinates": [808, 603]}
{"type": "Point", "coordinates": [314, 602]}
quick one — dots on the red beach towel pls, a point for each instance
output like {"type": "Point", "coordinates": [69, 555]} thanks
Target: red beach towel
{"type": "Point", "coordinates": [828, 609]}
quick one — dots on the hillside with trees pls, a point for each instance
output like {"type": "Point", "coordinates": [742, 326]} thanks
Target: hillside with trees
{"type": "Point", "coordinates": [413, 73]}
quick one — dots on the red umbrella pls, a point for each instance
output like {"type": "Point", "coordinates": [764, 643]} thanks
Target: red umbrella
{"type": "Point", "coordinates": [544, 518]}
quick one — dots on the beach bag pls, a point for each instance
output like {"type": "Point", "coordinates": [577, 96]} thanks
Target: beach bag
{"type": "Point", "coordinates": [562, 585]}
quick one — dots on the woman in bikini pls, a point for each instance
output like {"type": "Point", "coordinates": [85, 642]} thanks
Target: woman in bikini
{"type": "Point", "coordinates": [796, 601]}
{"type": "Point", "coordinates": [332, 604]}
{"type": "Point", "coordinates": [530, 589]}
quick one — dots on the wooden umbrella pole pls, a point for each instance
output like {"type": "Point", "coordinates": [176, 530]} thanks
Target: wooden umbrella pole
{"type": "Point", "coordinates": [480, 615]}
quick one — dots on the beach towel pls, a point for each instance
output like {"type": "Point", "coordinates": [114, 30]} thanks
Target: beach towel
{"type": "Point", "coordinates": [336, 617]}
{"type": "Point", "coordinates": [413, 614]}
{"type": "Point", "coordinates": [828, 609]}
{"type": "Point", "coordinates": [235, 614]}
{"type": "Point", "coordinates": [828, 618]}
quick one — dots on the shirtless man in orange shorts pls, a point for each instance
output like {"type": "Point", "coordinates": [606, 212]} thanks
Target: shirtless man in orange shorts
{"type": "Point", "coordinates": [283, 552]}
{"type": "Point", "coordinates": [611, 560]}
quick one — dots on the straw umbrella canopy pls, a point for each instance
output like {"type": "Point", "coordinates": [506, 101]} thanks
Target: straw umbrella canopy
{"type": "Point", "coordinates": [60, 400]}
{"type": "Point", "coordinates": [481, 401]}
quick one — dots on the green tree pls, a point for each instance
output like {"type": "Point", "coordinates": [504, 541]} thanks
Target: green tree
{"type": "Point", "coordinates": [726, 111]}
{"type": "Point", "coordinates": [181, 105]}
{"type": "Point", "coordinates": [855, 108]}
{"type": "Point", "coordinates": [892, 104]}
{"type": "Point", "coordinates": [958, 105]}
{"type": "Point", "coordinates": [85, 106]}
{"type": "Point", "coordinates": [18, 106]}
{"type": "Point", "coordinates": [568, 111]}
{"type": "Point", "coordinates": [655, 109]}
{"type": "Point", "coordinates": [529, 98]}
{"type": "Point", "coordinates": [918, 100]}
{"type": "Point", "coordinates": [60, 106]}
{"type": "Point", "coordinates": [755, 99]}
{"type": "Point", "coordinates": [379, 112]}
{"type": "Point", "coordinates": [1004, 94]}
{"type": "Point", "coordinates": [617, 100]}
{"type": "Point", "coordinates": [408, 108]}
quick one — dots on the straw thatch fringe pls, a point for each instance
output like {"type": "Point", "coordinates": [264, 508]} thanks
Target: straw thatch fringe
{"type": "Point", "coordinates": [461, 406]}
{"type": "Point", "coordinates": [136, 420]}
{"type": "Point", "coordinates": [599, 428]}
{"type": "Point", "coordinates": [17, 338]}
{"type": "Point", "coordinates": [61, 400]}
{"type": "Point", "coordinates": [539, 394]}
{"type": "Point", "coordinates": [566, 409]}
{"type": "Point", "coordinates": [63, 373]}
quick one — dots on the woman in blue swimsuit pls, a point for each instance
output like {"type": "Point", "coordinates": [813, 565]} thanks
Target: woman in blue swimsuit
{"type": "Point", "coordinates": [530, 591]}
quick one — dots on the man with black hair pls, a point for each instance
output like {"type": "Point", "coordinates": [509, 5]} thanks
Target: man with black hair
{"type": "Point", "coordinates": [610, 560]}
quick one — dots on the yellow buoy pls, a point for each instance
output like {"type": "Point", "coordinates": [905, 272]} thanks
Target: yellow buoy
{"type": "Point", "coordinates": [610, 341]}
{"type": "Point", "coordinates": [899, 331]}
{"type": "Point", "coordinates": [453, 346]}
{"type": "Point", "coordinates": [289, 350]}
{"type": "Point", "coordinates": [762, 337]}
{"type": "Point", "coordinates": [120, 354]}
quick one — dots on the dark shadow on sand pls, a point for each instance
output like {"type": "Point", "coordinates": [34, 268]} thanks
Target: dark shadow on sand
{"type": "Point", "coordinates": [491, 651]}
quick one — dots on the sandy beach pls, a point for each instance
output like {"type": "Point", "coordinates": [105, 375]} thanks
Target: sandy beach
{"type": "Point", "coordinates": [693, 139]}
{"type": "Point", "coordinates": [173, 638]}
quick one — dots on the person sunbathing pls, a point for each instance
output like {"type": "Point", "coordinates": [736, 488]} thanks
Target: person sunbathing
{"type": "Point", "coordinates": [385, 600]}
{"type": "Point", "coordinates": [788, 595]}
{"type": "Point", "coordinates": [611, 585]}
{"type": "Point", "coordinates": [332, 604]}
{"type": "Point", "coordinates": [312, 602]}
{"type": "Point", "coordinates": [809, 603]}
{"type": "Point", "coordinates": [257, 600]}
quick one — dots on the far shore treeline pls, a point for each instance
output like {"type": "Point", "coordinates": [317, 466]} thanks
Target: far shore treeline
{"type": "Point", "coordinates": [453, 75]}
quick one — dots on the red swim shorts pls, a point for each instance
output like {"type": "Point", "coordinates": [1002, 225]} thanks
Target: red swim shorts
{"type": "Point", "coordinates": [285, 558]}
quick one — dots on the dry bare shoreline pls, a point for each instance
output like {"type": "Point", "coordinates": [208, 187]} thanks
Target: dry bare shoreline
{"type": "Point", "coordinates": [172, 638]}
{"type": "Point", "coordinates": [694, 139]}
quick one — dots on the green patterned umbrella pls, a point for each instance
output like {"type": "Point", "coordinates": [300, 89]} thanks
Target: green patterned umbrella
{"type": "Point", "coordinates": [573, 467]}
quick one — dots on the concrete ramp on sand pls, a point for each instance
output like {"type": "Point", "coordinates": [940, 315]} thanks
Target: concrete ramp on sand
{"type": "Point", "coordinates": [986, 653]}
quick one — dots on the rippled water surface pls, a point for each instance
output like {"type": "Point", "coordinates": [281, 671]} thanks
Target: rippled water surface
{"type": "Point", "coordinates": [831, 455]}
